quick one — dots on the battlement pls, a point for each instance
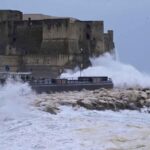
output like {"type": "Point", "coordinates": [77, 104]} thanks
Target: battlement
{"type": "Point", "coordinates": [10, 15]}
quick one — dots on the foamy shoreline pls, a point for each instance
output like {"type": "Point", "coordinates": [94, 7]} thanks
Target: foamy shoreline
{"type": "Point", "coordinates": [101, 99]}
{"type": "Point", "coordinates": [24, 126]}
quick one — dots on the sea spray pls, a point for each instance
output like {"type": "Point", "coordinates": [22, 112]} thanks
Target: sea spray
{"type": "Point", "coordinates": [123, 75]}
{"type": "Point", "coordinates": [15, 97]}
{"type": "Point", "coordinates": [82, 129]}
{"type": "Point", "coordinates": [69, 129]}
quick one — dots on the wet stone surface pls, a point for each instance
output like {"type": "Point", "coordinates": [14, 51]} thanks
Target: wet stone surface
{"type": "Point", "coordinates": [102, 99]}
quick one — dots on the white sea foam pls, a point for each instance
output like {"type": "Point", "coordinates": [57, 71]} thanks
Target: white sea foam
{"type": "Point", "coordinates": [23, 127]}
{"type": "Point", "coordinates": [82, 130]}
{"type": "Point", "coordinates": [14, 98]}
{"type": "Point", "coordinates": [123, 75]}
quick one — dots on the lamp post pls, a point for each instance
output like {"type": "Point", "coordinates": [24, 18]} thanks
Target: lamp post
{"type": "Point", "coordinates": [81, 65]}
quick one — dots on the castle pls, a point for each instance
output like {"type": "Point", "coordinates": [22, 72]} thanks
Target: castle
{"type": "Point", "coordinates": [47, 45]}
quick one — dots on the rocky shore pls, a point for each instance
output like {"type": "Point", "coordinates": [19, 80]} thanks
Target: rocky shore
{"type": "Point", "coordinates": [101, 99]}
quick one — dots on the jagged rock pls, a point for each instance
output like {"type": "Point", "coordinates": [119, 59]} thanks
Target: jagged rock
{"type": "Point", "coordinates": [51, 109]}
{"type": "Point", "coordinates": [148, 94]}
{"type": "Point", "coordinates": [112, 105]}
{"type": "Point", "coordinates": [85, 103]}
{"type": "Point", "coordinates": [99, 107]}
{"type": "Point", "coordinates": [96, 91]}
{"type": "Point", "coordinates": [132, 106]}
{"type": "Point", "coordinates": [67, 103]}
{"type": "Point", "coordinates": [143, 95]}
{"type": "Point", "coordinates": [133, 95]}
{"type": "Point", "coordinates": [120, 105]}
{"type": "Point", "coordinates": [147, 103]}
{"type": "Point", "coordinates": [101, 99]}
{"type": "Point", "coordinates": [97, 104]}
{"type": "Point", "coordinates": [104, 103]}
{"type": "Point", "coordinates": [140, 103]}
{"type": "Point", "coordinates": [107, 98]}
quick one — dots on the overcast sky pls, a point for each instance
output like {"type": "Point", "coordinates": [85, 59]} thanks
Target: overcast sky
{"type": "Point", "coordinates": [130, 20]}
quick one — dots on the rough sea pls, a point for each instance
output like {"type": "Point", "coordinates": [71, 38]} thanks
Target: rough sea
{"type": "Point", "coordinates": [25, 127]}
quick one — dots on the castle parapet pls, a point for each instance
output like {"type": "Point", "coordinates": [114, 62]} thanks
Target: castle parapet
{"type": "Point", "coordinates": [10, 15]}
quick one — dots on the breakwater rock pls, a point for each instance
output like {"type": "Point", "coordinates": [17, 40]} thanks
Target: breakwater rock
{"type": "Point", "coordinates": [101, 99]}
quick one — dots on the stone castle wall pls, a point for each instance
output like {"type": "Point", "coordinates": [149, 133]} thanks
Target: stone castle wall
{"type": "Point", "coordinates": [49, 45]}
{"type": "Point", "coordinates": [47, 64]}
{"type": "Point", "coordinates": [12, 61]}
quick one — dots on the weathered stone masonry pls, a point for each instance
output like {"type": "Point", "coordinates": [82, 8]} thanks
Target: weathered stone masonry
{"type": "Point", "coordinates": [46, 45]}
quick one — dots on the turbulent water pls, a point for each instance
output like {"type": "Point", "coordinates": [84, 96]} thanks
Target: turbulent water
{"type": "Point", "coordinates": [24, 127]}
{"type": "Point", "coordinates": [123, 75]}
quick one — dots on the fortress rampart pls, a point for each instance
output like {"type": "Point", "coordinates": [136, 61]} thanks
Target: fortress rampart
{"type": "Point", "coordinates": [46, 45]}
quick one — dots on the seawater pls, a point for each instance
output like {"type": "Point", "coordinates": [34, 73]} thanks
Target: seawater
{"type": "Point", "coordinates": [24, 127]}
{"type": "Point", "coordinates": [123, 75]}
{"type": "Point", "coordinates": [75, 129]}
